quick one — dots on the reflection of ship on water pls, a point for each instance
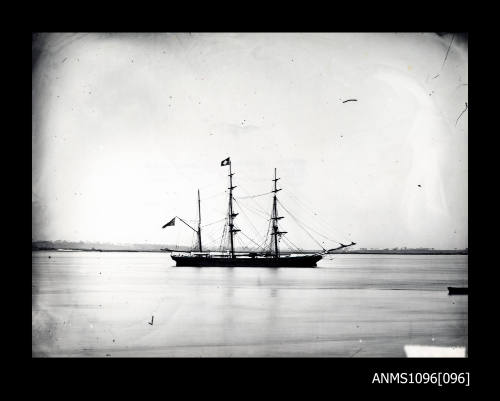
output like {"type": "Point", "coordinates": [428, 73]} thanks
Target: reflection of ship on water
{"type": "Point", "coordinates": [269, 257]}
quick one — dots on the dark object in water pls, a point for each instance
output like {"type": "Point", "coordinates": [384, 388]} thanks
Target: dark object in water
{"type": "Point", "coordinates": [458, 290]}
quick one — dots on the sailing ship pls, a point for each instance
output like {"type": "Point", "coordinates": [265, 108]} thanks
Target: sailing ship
{"type": "Point", "coordinates": [270, 258]}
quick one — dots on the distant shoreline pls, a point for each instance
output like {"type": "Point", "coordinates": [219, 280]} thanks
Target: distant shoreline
{"type": "Point", "coordinates": [367, 252]}
{"type": "Point", "coordinates": [89, 246]}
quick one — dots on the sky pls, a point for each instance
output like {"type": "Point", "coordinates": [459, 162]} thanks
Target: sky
{"type": "Point", "coordinates": [127, 127]}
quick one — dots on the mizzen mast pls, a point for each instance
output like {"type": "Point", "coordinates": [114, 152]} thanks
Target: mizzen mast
{"type": "Point", "coordinates": [275, 218]}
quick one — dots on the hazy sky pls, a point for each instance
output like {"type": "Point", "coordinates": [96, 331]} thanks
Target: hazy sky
{"type": "Point", "coordinates": [126, 128]}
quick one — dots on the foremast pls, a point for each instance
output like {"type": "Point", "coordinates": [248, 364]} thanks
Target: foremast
{"type": "Point", "coordinates": [275, 218]}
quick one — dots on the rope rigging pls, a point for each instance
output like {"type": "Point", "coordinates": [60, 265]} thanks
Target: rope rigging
{"type": "Point", "coordinates": [249, 220]}
{"type": "Point", "coordinates": [301, 226]}
{"type": "Point", "coordinates": [224, 230]}
{"type": "Point", "coordinates": [269, 242]}
{"type": "Point", "coordinates": [214, 222]}
{"type": "Point", "coordinates": [308, 209]}
{"type": "Point", "coordinates": [312, 229]}
{"type": "Point", "coordinates": [253, 196]}
{"type": "Point", "coordinates": [291, 244]}
{"type": "Point", "coordinates": [259, 246]}
{"type": "Point", "coordinates": [262, 210]}
{"type": "Point", "coordinates": [269, 225]}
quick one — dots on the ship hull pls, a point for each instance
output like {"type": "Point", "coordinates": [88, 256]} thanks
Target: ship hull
{"type": "Point", "coordinates": [292, 261]}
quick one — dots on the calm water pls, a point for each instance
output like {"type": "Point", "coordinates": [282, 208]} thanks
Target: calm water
{"type": "Point", "coordinates": [99, 304]}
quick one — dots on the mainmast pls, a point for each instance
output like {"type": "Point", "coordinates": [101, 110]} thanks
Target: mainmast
{"type": "Point", "coordinates": [275, 218]}
{"type": "Point", "coordinates": [231, 214]}
{"type": "Point", "coordinates": [199, 221]}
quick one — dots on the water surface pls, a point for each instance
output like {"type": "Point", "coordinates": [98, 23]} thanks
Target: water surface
{"type": "Point", "coordinates": [99, 304]}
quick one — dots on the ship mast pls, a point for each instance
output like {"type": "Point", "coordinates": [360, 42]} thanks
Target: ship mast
{"type": "Point", "coordinates": [231, 214]}
{"type": "Point", "coordinates": [199, 221]}
{"type": "Point", "coordinates": [275, 218]}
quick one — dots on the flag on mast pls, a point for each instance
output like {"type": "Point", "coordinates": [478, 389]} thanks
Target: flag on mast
{"type": "Point", "coordinates": [225, 162]}
{"type": "Point", "coordinates": [170, 223]}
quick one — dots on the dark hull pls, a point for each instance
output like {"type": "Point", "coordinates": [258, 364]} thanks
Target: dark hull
{"type": "Point", "coordinates": [292, 261]}
{"type": "Point", "coordinates": [458, 291]}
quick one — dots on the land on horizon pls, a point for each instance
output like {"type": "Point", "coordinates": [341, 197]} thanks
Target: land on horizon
{"type": "Point", "coordinates": [110, 247]}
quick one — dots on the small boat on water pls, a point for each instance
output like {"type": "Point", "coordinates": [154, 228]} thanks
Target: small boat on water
{"type": "Point", "coordinates": [269, 257]}
{"type": "Point", "coordinates": [458, 290]}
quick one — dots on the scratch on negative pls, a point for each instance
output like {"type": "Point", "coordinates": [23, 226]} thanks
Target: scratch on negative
{"type": "Point", "coordinates": [461, 113]}
{"type": "Point", "coordinates": [445, 57]}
